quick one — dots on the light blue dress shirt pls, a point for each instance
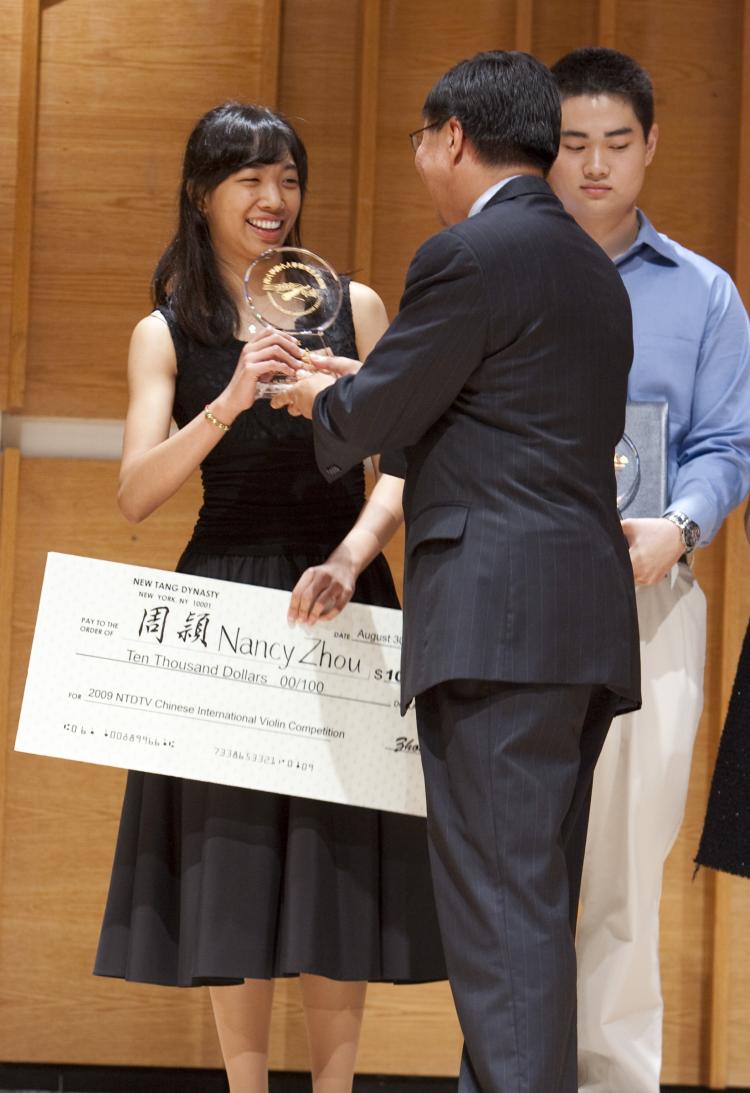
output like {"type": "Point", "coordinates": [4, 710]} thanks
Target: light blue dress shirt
{"type": "Point", "coordinates": [692, 349]}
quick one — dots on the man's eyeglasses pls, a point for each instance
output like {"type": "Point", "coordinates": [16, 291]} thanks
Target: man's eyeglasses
{"type": "Point", "coordinates": [416, 136]}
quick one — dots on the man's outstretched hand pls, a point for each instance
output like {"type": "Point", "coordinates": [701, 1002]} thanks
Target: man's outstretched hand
{"type": "Point", "coordinates": [337, 366]}
{"type": "Point", "coordinates": [299, 397]}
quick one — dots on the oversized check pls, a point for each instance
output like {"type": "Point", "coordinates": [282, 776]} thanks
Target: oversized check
{"type": "Point", "coordinates": [175, 674]}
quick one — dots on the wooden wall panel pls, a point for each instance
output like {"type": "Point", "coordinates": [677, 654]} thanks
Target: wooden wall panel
{"type": "Point", "coordinates": [366, 139]}
{"type": "Point", "coordinates": [693, 51]}
{"type": "Point", "coordinates": [26, 149]}
{"type": "Point", "coordinates": [318, 92]}
{"type": "Point", "coordinates": [731, 1010]}
{"type": "Point", "coordinates": [60, 818]}
{"type": "Point", "coordinates": [120, 87]}
{"type": "Point", "coordinates": [735, 946]}
{"type": "Point", "coordinates": [10, 58]}
{"type": "Point", "coordinates": [418, 43]}
{"type": "Point", "coordinates": [737, 1012]}
{"type": "Point", "coordinates": [9, 475]}
{"type": "Point", "coordinates": [559, 28]}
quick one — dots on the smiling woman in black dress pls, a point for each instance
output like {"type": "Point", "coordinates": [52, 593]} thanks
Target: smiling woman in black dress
{"type": "Point", "coordinates": [215, 885]}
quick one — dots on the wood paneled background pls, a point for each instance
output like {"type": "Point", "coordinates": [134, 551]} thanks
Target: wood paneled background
{"type": "Point", "coordinates": [96, 101]}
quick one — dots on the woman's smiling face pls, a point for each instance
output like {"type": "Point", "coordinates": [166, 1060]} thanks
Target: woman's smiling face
{"type": "Point", "coordinates": [251, 210]}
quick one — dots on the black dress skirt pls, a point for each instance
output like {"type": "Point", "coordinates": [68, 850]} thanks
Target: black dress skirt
{"type": "Point", "coordinates": [725, 842]}
{"type": "Point", "coordinates": [213, 884]}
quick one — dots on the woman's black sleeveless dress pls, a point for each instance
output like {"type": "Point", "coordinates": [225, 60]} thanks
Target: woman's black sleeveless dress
{"type": "Point", "coordinates": [213, 884]}
{"type": "Point", "coordinates": [725, 841]}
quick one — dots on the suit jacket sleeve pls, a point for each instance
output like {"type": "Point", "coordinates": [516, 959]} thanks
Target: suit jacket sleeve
{"type": "Point", "coordinates": [417, 368]}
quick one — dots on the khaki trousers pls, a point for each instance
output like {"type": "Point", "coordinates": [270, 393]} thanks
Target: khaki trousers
{"type": "Point", "coordinates": [640, 788]}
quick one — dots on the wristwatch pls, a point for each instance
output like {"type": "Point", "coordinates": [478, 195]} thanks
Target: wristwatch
{"type": "Point", "coordinates": [689, 530]}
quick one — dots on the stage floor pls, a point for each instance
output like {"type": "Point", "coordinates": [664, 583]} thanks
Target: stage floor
{"type": "Point", "coordinates": [30, 1078]}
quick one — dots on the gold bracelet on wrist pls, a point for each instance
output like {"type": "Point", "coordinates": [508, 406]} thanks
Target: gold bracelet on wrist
{"type": "Point", "coordinates": [215, 421]}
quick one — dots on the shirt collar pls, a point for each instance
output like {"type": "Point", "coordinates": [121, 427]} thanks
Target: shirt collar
{"type": "Point", "coordinates": [482, 200]}
{"type": "Point", "coordinates": [648, 237]}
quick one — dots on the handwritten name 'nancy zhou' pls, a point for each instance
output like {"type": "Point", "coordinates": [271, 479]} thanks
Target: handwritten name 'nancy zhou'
{"type": "Point", "coordinates": [315, 653]}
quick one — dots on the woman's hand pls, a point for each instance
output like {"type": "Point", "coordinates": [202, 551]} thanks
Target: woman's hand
{"type": "Point", "coordinates": [324, 590]}
{"type": "Point", "coordinates": [269, 353]}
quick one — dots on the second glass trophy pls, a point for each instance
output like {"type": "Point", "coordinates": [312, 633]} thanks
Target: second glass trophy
{"type": "Point", "coordinates": [627, 472]}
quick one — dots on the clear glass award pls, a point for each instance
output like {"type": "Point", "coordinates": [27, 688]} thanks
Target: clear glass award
{"type": "Point", "coordinates": [627, 472]}
{"type": "Point", "coordinates": [296, 291]}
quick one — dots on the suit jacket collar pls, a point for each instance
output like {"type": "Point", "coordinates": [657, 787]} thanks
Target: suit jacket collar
{"type": "Point", "coordinates": [519, 187]}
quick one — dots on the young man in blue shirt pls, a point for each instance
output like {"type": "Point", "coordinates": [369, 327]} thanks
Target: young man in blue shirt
{"type": "Point", "coordinates": [692, 350]}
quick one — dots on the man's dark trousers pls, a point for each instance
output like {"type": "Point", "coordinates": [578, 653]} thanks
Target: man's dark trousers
{"type": "Point", "coordinates": [508, 770]}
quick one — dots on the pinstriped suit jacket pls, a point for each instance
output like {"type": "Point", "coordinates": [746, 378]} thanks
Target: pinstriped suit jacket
{"type": "Point", "coordinates": [503, 380]}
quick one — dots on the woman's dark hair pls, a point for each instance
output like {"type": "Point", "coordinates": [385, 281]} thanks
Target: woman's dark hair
{"type": "Point", "coordinates": [507, 104]}
{"type": "Point", "coordinates": [595, 70]}
{"type": "Point", "coordinates": [226, 139]}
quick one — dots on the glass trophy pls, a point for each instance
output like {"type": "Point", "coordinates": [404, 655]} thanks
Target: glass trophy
{"type": "Point", "coordinates": [296, 291]}
{"type": "Point", "coordinates": [627, 472]}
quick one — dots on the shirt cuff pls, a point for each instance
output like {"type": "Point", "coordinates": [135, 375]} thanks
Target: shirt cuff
{"type": "Point", "coordinates": [697, 508]}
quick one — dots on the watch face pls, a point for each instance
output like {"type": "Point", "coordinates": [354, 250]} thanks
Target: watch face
{"type": "Point", "coordinates": [691, 533]}
{"type": "Point", "coordinates": [689, 530]}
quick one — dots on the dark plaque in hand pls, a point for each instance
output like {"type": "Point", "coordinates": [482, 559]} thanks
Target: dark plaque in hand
{"type": "Point", "coordinates": [641, 460]}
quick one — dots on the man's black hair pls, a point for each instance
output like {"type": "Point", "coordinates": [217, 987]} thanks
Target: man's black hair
{"type": "Point", "coordinates": [507, 104]}
{"type": "Point", "coordinates": [595, 70]}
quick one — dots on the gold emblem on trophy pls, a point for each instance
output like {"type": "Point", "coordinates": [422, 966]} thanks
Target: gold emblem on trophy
{"type": "Point", "coordinates": [294, 290]}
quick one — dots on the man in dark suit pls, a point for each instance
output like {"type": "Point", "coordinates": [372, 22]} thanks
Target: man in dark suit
{"type": "Point", "coordinates": [503, 381]}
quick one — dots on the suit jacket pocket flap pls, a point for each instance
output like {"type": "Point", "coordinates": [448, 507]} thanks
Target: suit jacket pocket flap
{"type": "Point", "coordinates": [437, 522]}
